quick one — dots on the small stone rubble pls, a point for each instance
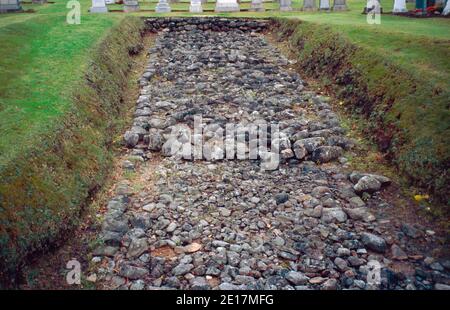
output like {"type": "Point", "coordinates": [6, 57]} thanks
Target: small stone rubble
{"type": "Point", "coordinates": [303, 223]}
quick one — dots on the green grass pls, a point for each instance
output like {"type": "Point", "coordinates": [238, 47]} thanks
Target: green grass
{"type": "Point", "coordinates": [45, 57]}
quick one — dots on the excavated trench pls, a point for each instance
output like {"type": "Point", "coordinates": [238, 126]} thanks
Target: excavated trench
{"type": "Point", "coordinates": [207, 205]}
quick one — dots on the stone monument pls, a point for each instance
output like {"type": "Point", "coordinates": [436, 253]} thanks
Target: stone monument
{"type": "Point", "coordinates": [446, 10]}
{"type": "Point", "coordinates": [309, 5]}
{"type": "Point", "coordinates": [324, 5]}
{"type": "Point", "coordinates": [340, 5]}
{"type": "Point", "coordinates": [285, 5]}
{"type": "Point", "coordinates": [196, 6]}
{"type": "Point", "coordinates": [130, 6]}
{"type": "Point", "coordinates": [399, 6]}
{"type": "Point", "coordinates": [162, 7]}
{"type": "Point", "coordinates": [257, 6]}
{"type": "Point", "coordinates": [98, 6]}
{"type": "Point", "coordinates": [227, 6]}
{"type": "Point", "coordinates": [10, 6]}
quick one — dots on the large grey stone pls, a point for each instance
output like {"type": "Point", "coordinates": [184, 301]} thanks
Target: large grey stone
{"type": "Point", "coordinates": [374, 242]}
{"type": "Point", "coordinates": [333, 214]}
{"type": "Point", "coordinates": [367, 184]}
{"type": "Point", "coordinates": [326, 154]}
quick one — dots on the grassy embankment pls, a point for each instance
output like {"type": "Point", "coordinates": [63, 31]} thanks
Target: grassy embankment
{"type": "Point", "coordinates": [61, 88]}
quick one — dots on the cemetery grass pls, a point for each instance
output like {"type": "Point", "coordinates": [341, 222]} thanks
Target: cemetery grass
{"type": "Point", "coordinates": [59, 164]}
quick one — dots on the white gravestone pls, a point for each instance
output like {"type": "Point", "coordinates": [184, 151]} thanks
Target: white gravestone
{"type": "Point", "coordinates": [309, 5]}
{"type": "Point", "coordinates": [324, 5]}
{"type": "Point", "coordinates": [399, 6]}
{"type": "Point", "coordinates": [257, 6]}
{"type": "Point", "coordinates": [162, 7]}
{"type": "Point", "coordinates": [374, 5]}
{"type": "Point", "coordinates": [285, 5]}
{"type": "Point", "coordinates": [9, 6]}
{"type": "Point", "coordinates": [446, 10]}
{"type": "Point", "coordinates": [340, 5]}
{"type": "Point", "coordinates": [196, 6]}
{"type": "Point", "coordinates": [130, 6]}
{"type": "Point", "coordinates": [227, 6]}
{"type": "Point", "coordinates": [98, 6]}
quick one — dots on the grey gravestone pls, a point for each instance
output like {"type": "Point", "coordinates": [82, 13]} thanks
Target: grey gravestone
{"type": "Point", "coordinates": [130, 6]}
{"type": "Point", "coordinates": [9, 6]}
{"type": "Point", "coordinates": [162, 7]}
{"type": "Point", "coordinates": [324, 5]}
{"type": "Point", "coordinates": [340, 5]}
{"type": "Point", "coordinates": [196, 6]}
{"type": "Point", "coordinates": [309, 5]}
{"type": "Point", "coordinates": [98, 6]}
{"type": "Point", "coordinates": [227, 6]}
{"type": "Point", "coordinates": [39, 1]}
{"type": "Point", "coordinates": [257, 6]}
{"type": "Point", "coordinates": [285, 5]}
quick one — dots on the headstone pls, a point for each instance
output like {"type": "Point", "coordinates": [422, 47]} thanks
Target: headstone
{"type": "Point", "coordinates": [446, 10]}
{"type": "Point", "coordinates": [340, 5]}
{"type": "Point", "coordinates": [98, 6]}
{"type": "Point", "coordinates": [373, 5]}
{"type": "Point", "coordinates": [162, 7]}
{"type": "Point", "coordinates": [196, 6]}
{"type": "Point", "coordinates": [9, 6]}
{"type": "Point", "coordinates": [285, 5]}
{"type": "Point", "coordinates": [399, 6]}
{"type": "Point", "coordinates": [257, 6]}
{"type": "Point", "coordinates": [130, 6]}
{"type": "Point", "coordinates": [227, 6]}
{"type": "Point", "coordinates": [309, 5]}
{"type": "Point", "coordinates": [39, 1]}
{"type": "Point", "coordinates": [324, 5]}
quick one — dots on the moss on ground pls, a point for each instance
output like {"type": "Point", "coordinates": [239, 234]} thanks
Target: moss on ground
{"type": "Point", "coordinates": [44, 187]}
{"type": "Point", "coordinates": [405, 113]}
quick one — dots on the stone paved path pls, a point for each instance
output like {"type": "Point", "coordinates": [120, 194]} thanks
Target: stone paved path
{"type": "Point", "coordinates": [227, 224]}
